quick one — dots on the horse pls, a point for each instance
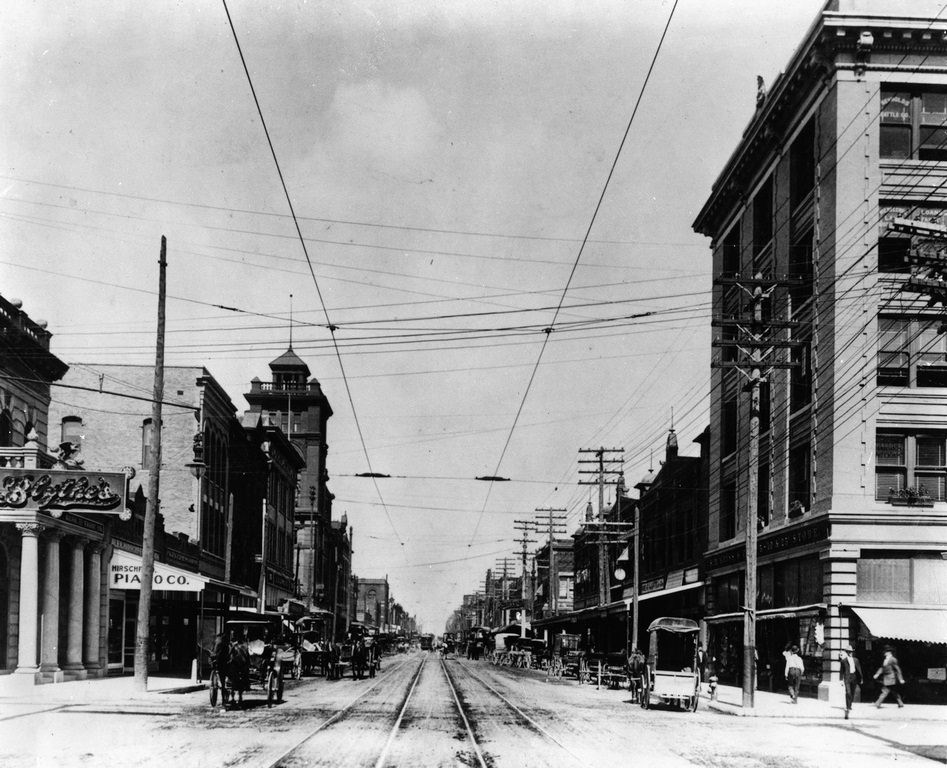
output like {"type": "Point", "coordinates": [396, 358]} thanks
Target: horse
{"type": "Point", "coordinates": [238, 669]}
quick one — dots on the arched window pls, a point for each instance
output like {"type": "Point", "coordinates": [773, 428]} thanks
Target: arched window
{"type": "Point", "coordinates": [71, 430]}
{"type": "Point", "coordinates": [6, 428]}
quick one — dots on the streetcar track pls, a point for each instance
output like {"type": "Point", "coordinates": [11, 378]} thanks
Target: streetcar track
{"type": "Point", "coordinates": [338, 715]}
{"type": "Point", "coordinates": [532, 723]}
{"type": "Point", "coordinates": [404, 706]}
{"type": "Point", "coordinates": [473, 739]}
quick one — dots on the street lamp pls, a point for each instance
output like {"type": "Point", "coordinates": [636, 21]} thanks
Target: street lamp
{"type": "Point", "coordinates": [197, 465]}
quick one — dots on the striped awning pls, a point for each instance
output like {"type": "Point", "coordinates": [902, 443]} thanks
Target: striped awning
{"type": "Point", "coordinates": [928, 625]}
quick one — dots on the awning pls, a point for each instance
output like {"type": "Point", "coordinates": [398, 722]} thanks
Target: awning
{"type": "Point", "coordinates": [929, 625]}
{"type": "Point", "coordinates": [792, 612]}
{"type": "Point", "coordinates": [125, 573]}
{"type": "Point", "coordinates": [663, 592]}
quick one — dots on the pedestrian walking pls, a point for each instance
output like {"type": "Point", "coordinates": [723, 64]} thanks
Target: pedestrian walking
{"type": "Point", "coordinates": [794, 669]}
{"type": "Point", "coordinates": [890, 675]}
{"type": "Point", "coordinates": [851, 674]}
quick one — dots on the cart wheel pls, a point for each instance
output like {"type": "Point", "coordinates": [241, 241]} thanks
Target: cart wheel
{"type": "Point", "coordinates": [271, 686]}
{"type": "Point", "coordinates": [297, 671]}
{"type": "Point", "coordinates": [694, 701]}
{"type": "Point", "coordinates": [279, 689]}
{"type": "Point", "coordinates": [646, 691]}
{"type": "Point", "coordinates": [214, 687]}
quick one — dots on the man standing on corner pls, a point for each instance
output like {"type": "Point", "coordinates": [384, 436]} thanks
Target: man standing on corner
{"type": "Point", "coordinates": [851, 675]}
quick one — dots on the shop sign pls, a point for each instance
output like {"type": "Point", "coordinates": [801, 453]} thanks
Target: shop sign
{"type": "Point", "coordinates": [675, 579]}
{"type": "Point", "coordinates": [691, 575]}
{"type": "Point", "coordinates": [652, 585]}
{"type": "Point", "coordinates": [125, 573]}
{"type": "Point", "coordinates": [57, 490]}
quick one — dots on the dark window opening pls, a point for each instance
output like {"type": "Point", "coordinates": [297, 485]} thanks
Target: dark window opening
{"type": "Point", "coordinates": [893, 254]}
{"type": "Point", "coordinates": [731, 251]}
{"type": "Point", "coordinates": [762, 220]}
{"type": "Point", "coordinates": [802, 165]}
{"type": "Point", "coordinates": [913, 125]}
{"type": "Point", "coordinates": [728, 511]}
{"type": "Point", "coordinates": [800, 479]}
{"type": "Point", "coordinates": [728, 427]}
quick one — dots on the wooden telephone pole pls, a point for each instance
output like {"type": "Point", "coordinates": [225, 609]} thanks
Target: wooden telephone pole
{"type": "Point", "coordinates": [752, 353]}
{"type": "Point", "coordinates": [143, 627]}
{"type": "Point", "coordinates": [525, 527]}
{"type": "Point", "coordinates": [606, 466]}
{"type": "Point", "coordinates": [555, 522]}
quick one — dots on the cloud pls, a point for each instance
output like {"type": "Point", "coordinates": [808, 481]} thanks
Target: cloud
{"type": "Point", "coordinates": [389, 128]}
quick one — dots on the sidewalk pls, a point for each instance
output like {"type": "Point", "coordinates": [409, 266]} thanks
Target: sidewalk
{"type": "Point", "coordinates": [106, 689]}
{"type": "Point", "coordinates": [730, 701]}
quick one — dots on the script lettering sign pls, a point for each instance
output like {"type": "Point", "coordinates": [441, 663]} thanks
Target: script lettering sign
{"type": "Point", "coordinates": [55, 490]}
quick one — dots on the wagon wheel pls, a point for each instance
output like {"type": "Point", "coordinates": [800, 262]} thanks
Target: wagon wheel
{"type": "Point", "coordinates": [214, 687]}
{"type": "Point", "coordinates": [279, 688]}
{"type": "Point", "coordinates": [297, 671]}
{"type": "Point", "coordinates": [694, 699]}
{"type": "Point", "coordinates": [271, 687]}
{"type": "Point", "coordinates": [646, 690]}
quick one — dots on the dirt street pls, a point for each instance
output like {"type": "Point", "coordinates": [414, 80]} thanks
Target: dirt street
{"type": "Point", "coordinates": [425, 711]}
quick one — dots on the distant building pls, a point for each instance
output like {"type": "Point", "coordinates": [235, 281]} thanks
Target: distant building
{"type": "Point", "coordinates": [294, 402]}
{"type": "Point", "coordinates": [372, 602]}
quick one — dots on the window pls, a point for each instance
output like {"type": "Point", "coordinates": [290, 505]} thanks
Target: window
{"type": "Point", "coordinates": [917, 462]}
{"type": "Point", "coordinates": [71, 431]}
{"type": "Point", "coordinates": [728, 593]}
{"type": "Point", "coordinates": [728, 426]}
{"type": "Point", "coordinates": [913, 125]}
{"type": "Point", "coordinates": [762, 496]}
{"type": "Point", "coordinates": [6, 429]}
{"type": "Point", "coordinates": [893, 254]}
{"type": "Point", "coordinates": [802, 165]}
{"type": "Point", "coordinates": [731, 251]}
{"type": "Point", "coordinates": [911, 352]}
{"type": "Point", "coordinates": [147, 444]}
{"type": "Point", "coordinates": [762, 219]}
{"type": "Point", "coordinates": [800, 485]}
{"type": "Point", "coordinates": [728, 511]}
{"type": "Point", "coordinates": [765, 407]}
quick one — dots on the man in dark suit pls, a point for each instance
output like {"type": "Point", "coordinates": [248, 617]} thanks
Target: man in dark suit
{"type": "Point", "coordinates": [851, 674]}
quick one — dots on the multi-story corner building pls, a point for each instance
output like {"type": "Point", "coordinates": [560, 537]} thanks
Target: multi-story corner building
{"type": "Point", "coordinates": [214, 516]}
{"type": "Point", "coordinates": [295, 402]}
{"type": "Point", "coordinates": [852, 468]}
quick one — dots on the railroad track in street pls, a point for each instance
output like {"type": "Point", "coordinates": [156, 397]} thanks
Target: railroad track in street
{"type": "Point", "coordinates": [287, 754]}
{"type": "Point", "coordinates": [529, 721]}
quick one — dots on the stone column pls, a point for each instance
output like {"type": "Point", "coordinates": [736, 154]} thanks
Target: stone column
{"type": "Point", "coordinates": [92, 652]}
{"type": "Point", "coordinates": [49, 654]}
{"type": "Point", "coordinates": [76, 598]}
{"type": "Point", "coordinates": [29, 597]}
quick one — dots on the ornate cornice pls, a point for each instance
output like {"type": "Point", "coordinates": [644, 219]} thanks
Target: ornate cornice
{"type": "Point", "coordinates": [30, 529]}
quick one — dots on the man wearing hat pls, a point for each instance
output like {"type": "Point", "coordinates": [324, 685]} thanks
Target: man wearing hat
{"type": "Point", "coordinates": [890, 675]}
{"type": "Point", "coordinates": [851, 673]}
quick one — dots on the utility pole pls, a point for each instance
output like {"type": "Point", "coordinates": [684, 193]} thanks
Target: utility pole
{"type": "Point", "coordinates": [525, 527]}
{"type": "Point", "coordinates": [606, 466]}
{"type": "Point", "coordinates": [142, 630]}
{"type": "Point", "coordinates": [555, 520]}
{"type": "Point", "coordinates": [752, 351]}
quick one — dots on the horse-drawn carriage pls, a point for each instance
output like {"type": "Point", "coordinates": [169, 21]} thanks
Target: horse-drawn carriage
{"type": "Point", "coordinates": [251, 654]}
{"type": "Point", "coordinates": [566, 657]}
{"type": "Point", "coordinates": [671, 675]}
{"type": "Point", "coordinates": [314, 648]}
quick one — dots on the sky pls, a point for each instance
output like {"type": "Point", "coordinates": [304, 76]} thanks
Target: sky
{"type": "Point", "coordinates": [445, 161]}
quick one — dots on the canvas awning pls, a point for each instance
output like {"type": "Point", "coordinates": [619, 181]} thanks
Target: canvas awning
{"type": "Point", "coordinates": [929, 625]}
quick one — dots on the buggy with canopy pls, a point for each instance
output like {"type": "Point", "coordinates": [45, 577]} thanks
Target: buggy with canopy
{"type": "Point", "coordinates": [671, 675]}
{"type": "Point", "coordinates": [253, 653]}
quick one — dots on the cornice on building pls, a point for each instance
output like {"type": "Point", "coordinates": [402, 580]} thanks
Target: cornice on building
{"type": "Point", "coordinates": [837, 40]}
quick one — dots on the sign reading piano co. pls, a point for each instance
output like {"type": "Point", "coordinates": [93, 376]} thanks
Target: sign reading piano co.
{"type": "Point", "coordinates": [57, 490]}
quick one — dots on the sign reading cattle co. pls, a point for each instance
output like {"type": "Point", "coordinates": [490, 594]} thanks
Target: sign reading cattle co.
{"type": "Point", "coordinates": [125, 573]}
{"type": "Point", "coordinates": [55, 490]}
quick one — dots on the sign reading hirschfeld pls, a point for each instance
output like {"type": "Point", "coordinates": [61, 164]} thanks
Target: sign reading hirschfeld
{"type": "Point", "coordinates": [55, 490]}
{"type": "Point", "coordinates": [125, 573]}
